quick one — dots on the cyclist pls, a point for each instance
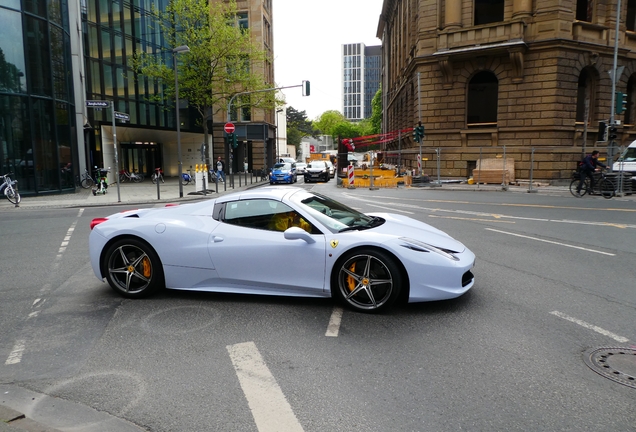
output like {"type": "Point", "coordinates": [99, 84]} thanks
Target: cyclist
{"type": "Point", "coordinates": [589, 166]}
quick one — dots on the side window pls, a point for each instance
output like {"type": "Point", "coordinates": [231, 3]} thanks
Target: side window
{"type": "Point", "coordinates": [264, 214]}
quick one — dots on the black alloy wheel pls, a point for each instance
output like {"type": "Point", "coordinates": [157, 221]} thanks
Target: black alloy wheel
{"type": "Point", "coordinates": [367, 280]}
{"type": "Point", "coordinates": [132, 268]}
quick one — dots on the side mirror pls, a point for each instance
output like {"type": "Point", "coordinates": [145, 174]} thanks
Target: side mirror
{"type": "Point", "coordinates": [295, 233]}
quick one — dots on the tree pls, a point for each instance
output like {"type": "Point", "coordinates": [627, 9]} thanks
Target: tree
{"type": "Point", "coordinates": [298, 127]}
{"type": "Point", "coordinates": [376, 112]}
{"type": "Point", "coordinates": [219, 65]}
{"type": "Point", "coordinates": [328, 121]}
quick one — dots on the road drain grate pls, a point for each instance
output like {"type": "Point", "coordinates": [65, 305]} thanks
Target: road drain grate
{"type": "Point", "coordinates": [617, 364]}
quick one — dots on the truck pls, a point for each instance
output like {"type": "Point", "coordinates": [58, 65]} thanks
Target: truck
{"type": "Point", "coordinates": [627, 163]}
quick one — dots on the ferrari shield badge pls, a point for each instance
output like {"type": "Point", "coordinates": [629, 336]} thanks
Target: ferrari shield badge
{"type": "Point", "coordinates": [334, 243]}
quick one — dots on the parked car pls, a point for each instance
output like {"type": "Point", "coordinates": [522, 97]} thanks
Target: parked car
{"type": "Point", "coordinates": [332, 169]}
{"type": "Point", "coordinates": [283, 173]}
{"type": "Point", "coordinates": [301, 167]}
{"type": "Point", "coordinates": [227, 244]}
{"type": "Point", "coordinates": [316, 171]}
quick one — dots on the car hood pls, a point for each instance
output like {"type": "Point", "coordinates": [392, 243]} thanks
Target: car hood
{"type": "Point", "coordinates": [404, 226]}
{"type": "Point", "coordinates": [316, 169]}
{"type": "Point", "coordinates": [281, 171]}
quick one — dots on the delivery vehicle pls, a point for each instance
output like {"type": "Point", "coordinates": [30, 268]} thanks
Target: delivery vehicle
{"type": "Point", "coordinates": [627, 163]}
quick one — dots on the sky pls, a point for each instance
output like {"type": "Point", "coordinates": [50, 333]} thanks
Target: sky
{"type": "Point", "coordinates": [308, 36]}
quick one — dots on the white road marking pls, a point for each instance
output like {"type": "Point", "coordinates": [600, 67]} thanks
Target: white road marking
{"type": "Point", "coordinates": [551, 242]}
{"type": "Point", "coordinates": [334, 323]}
{"type": "Point", "coordinates": [15, 356]}
{"type": "Point", "coordinates": [597, 329]}
{"type": "Point", "coordinates": [268, 404]}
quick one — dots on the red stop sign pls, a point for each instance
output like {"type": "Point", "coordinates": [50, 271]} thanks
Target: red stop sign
{"type": "Point", "coordinates": [229, 128]}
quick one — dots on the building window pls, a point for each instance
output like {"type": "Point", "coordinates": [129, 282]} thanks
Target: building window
{"type": "Point", "coordinates": [630, 22]}
{"type": "Point", "coordinates": [584, 10]}
{"type": "Point", "coordinates": [489, 11]}
{"type": "Point", "coordinates": [585, 92]}
{"type": "Point", "coordinates": [483, 95]}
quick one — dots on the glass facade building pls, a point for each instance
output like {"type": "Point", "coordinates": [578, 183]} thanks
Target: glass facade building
{"type": "Point", "coordinates": [361, 68]}
{"type": "Point", "coordinates": [37, 125]}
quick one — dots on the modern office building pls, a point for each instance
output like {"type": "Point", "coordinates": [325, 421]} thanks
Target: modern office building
{"type": "Point", "coordinates": [528, 79]}
{"type": "Point", "coordinates": [56, 55]}
{"type": "Point", "coordinates": [361, 69]}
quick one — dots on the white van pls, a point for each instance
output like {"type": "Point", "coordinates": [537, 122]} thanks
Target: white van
{"type": "Point", "coordinates": [627, 163]}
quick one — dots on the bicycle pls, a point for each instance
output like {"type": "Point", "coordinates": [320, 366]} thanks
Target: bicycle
{"type": "Point", "coordinates": [87, 181]}
{"type": "Point", "coordinates": [10, 189]}
{"type": "Point", "coordinates": [158, 174]}
{"type": "Point", "coordinates": [134, 177]}
{"type": "Point", "coordinates": [102, 181]}
{"type": "Point", "coordinates": [186, 179]}
{"type": "Point", "coordinates": [603, 185]}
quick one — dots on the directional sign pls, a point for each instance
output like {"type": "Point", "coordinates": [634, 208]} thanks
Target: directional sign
{"type": "Point", "coordinates": [97, 104]}
{"type": "Point", "coordinates": [122, 116]}
{"type": "Point", "coordinates": [229, 128]}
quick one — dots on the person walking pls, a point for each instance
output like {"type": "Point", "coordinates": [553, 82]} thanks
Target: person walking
{"type": "Point", "coordinates": [220, 169]}
{"type": "Point", "coordinates": [589, 166]}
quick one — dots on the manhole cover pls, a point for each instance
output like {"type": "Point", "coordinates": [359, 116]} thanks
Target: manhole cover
{"type": "Point", "coordinates": [617, 364]}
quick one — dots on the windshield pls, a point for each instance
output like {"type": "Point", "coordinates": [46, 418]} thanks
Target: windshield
{"type": "Point", "coordinates": [320, 165]}
{"type": "Point", "coordinates": [336, 216]}
{"type": "Point", "coordinates": [282, 166]}
{"type": "Point", "coordinates": [630, 154]}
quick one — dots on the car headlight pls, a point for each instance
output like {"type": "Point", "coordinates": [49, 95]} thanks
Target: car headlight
{"type": "Point", "coordinates": [420, 246]}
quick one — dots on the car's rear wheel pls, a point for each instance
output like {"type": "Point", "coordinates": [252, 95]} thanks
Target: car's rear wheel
{"type": "Point", "coordinates": [367, 280]}
{"type": "Point", "coordinates": [133, 268]}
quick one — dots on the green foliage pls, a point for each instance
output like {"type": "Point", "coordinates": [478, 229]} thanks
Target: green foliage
{"type": "Point", "coordinates": [298, 126]}
{"type": "Point", "coordinates": [328, 121]}
{"type": "Point", "coordinates": [376, 113]}
{"type": "Point", "coordinates": [222, 61]}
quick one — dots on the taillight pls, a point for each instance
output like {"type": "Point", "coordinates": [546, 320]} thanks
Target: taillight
{"type": "Point", "coordinates": [97, 221]}
{"type": "Point", "coordinates": [172, 204]}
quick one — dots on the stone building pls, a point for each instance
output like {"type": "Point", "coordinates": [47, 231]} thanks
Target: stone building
{"type": "Point", "coordinates": [521, 78]}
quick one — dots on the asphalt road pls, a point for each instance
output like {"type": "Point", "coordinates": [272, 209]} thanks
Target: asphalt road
{"type": "Point", "coordinates": [554, 279]}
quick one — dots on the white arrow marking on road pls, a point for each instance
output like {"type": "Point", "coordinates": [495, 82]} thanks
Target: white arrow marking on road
{"type": "Point", "coordinates": [268, 404]}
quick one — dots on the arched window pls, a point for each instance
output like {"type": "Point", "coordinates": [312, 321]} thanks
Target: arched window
{"type": "Point", "coordinates": [488, 11]}
{"type": "Point", "coordinates": [483, 95]}
{"type": "Point", "coordinates": [585, 92]}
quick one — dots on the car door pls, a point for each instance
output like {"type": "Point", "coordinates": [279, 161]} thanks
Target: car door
{"type": "Point", "coordinates": [251, 253]}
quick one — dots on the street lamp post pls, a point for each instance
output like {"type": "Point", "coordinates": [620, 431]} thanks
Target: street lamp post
{"type": "Point", "coordinates": [175, 51]}
{"type": "Point", "coordinates": [277, 144]}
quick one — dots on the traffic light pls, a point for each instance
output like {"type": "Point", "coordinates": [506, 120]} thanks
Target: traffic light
{"type": "Point", "coordinates": [602, 131]}
{"type": "Point", "coordinates": [306, 88]}
{"type": "Point", "coordinates": [612, 133]}
{"type": "Point", "coordinates": [231, 140]}
{"type": "Point", "coordinates": [621, 102]}
{"type": "Point", "coordinates": [418, 133]}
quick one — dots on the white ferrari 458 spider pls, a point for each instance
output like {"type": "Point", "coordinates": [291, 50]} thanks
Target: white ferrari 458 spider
{"type": "Point", "coordinates": [280, 241]}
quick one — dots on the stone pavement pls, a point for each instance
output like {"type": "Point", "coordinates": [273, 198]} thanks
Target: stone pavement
{"type": "Point", "coordinates": [135, 193]}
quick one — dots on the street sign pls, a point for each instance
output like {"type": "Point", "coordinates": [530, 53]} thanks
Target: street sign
{"type": "Point", "coordinates": [97, 104]}
{"type": "Point", "coordinates": [122, 116]}
{"type": "Point", "coordinates": [229, 128]}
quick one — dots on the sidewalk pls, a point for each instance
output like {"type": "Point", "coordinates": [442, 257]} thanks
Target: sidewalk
{"type": "Point", "coordinates": [134, 193]}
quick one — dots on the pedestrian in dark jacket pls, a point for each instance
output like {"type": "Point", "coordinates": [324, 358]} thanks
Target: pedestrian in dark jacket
{"type": "Point", "coordinates": [589, 166]}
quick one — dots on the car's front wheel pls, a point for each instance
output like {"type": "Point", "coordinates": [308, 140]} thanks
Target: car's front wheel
{"type": "Point", "coordinates": [367, 280]}
{"type": "Point", "coordinates": [133, 268]}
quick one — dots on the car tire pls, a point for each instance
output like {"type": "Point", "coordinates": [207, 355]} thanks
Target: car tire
{"type": "Point", "coordinates": [366, 280]}
{"type": "Point", "coordinates": [133, 268]}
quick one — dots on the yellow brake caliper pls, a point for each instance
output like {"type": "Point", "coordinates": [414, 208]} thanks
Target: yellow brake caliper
{"type": "Point", "coordinates": [351, 282]}
{"type": "Point", "coordinates": [146, 266]}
